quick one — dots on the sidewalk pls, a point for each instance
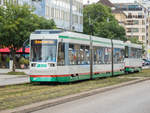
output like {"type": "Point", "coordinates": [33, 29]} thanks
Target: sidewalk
{"type": "Point", "coordinates": [5, 71]}
{"type": "Point", "coordinates": [13, 79]}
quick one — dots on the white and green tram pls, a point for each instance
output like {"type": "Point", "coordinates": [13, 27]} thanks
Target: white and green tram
{"type": "Point", "coordinates": [63, 56]}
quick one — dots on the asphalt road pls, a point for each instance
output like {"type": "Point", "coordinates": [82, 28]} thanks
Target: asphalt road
{"type": "Point", "coordinates": [130, 99]}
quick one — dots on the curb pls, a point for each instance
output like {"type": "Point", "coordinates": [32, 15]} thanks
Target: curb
{"type": "Point", "coordinates": [13, 84]}
{"type": "Point", "coordinates": [17, 76]}
{"type": "Point", "coordinates": [5, 79]}
{"type": "Point", "coordinates": [49, 103]}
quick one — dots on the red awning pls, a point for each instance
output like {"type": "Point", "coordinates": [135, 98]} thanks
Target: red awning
{"type": "Point", "coordinates": [6, 50]}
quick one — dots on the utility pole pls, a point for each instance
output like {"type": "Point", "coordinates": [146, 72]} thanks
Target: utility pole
{"type": "Point", "coordinates": [70, 22]}
{"type": "Point", "coordinates": [91, 48]}
{"type": "Point", "coordinates": [112, 57]}
{"type": "Point", "coordinates": [112, 54]}
{"type": "Point", "coordinates": [91, 57]}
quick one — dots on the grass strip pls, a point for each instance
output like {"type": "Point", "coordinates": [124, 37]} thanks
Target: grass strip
{"type": "Point", "coordinates": [16, 73]}
{"type": "Point", "coordinates": [145, 73]}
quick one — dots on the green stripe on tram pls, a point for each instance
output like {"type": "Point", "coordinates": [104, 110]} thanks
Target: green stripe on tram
{"type": "Point", "coordinates": [101, 42]}
{"type": "Point", "coordinates": [96, 41]}
{"type": "Point", "coordinates": [75, 38]}
{"type": "Point", "coordinates": [71, 79]}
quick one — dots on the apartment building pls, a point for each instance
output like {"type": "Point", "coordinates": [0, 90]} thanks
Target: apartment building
{"type": "Point", "coordinates": [58, 10]}
{"type": "Point", "coordinates": [136, 22]}
{"type": "Point", "coordinates": [134, 17]}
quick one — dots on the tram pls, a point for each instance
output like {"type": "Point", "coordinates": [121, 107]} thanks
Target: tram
{"type": "Point", "coordinates": [63, 56]}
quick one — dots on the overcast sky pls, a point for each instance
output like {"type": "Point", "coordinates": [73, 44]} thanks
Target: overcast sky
{"type": "Point", "coordinates": [114, 1]}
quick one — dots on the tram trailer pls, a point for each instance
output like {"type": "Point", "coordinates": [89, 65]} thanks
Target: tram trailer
{"type": "Point", "coordinates": [133, 57]}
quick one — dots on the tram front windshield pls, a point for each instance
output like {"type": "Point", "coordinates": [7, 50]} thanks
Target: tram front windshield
{"type": "Point", "coordinates": [43, 50]}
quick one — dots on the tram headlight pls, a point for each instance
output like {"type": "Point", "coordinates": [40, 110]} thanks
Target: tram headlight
{"type": "Point", "coordinates": [33, 65]}
{"type": "Point", "coordinates": [51, 64]}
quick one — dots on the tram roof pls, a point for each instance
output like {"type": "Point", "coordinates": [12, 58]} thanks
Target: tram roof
{"type": "Point", "coordinates": [129, 44]}
{"type": "Point", "coordinates": [79, 37]}
{"type": "Point", "coordinates": [48, 31]}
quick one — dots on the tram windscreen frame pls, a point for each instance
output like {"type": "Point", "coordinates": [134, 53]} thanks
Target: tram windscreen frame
{"type": "Point", "coordinates": [43, 50]}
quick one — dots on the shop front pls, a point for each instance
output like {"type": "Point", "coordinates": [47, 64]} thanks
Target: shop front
{"type": "Point", "coordinates": [22, 58]}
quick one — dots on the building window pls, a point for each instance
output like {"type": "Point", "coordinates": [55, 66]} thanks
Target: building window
{"type": "Point", "coordinates": [52, 12]}
{"type": "Point", "coordinates": [4, 2]}
{"type": "Point", "coordinates": [130, 30]}
{"type": "Point", "coordinates": [135, 22]}
{"type": "Point", "coordinates": [140, 15]}
{"type": "Point", "coordinates": [132, 22]}
{"type": "Point", "coordinates": [135, 30]}
{"type": "Point", "coordinates": [143, 38]}
{"type": "Point", "coordinates": [81, 19]}
{"type": "Point", "coordinates": [143, 30]}
{"type": "Point", "coordinates": [47, 11]}
{"type": "Point", "coordinates": [129, 15]}
{"type": "Point", "coordinates": [143, 22]}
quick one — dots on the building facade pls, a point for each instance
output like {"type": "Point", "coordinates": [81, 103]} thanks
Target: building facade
{"type": "Point", "coordinates": [134, 17]}
{"type": "Point", "coordinates": [58, 10]}
{"type": "Point", "coordinates": [135, 21]}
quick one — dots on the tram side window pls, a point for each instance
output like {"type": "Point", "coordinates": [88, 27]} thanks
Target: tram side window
{"type": "Point", "coordinates": [100, 52]}
{"type": "Point", "coordinates": [118, 55]}
{"type": "Point", "coordinates": [102, 55]}
{"type": "Point", "coordinates": [107, 57]}
{"type": "Point", "coordinates": [72, 54]}
{"type": "Point", "coordinates": [122, 55]}
{"type": "Point", "coordinates": [126, 51]}
{"type": "Point", "coordinates": [84, 55]}
{"type": "Point", "coordinates": [87, 55]}
{"type": "Point", "coordinates": [139, 53]}
{"type": "Point", "coordinates": [61, 54]}
{"type": "Point", "coordinates": [96, 56]}
{"type": "Point", "coordinates": [134, 53]}
{"type": "Point", "coordinates": [78, 54]}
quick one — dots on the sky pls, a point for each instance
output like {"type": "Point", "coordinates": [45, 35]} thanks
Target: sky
{"type": "Point", "coordinates": [113, 1]}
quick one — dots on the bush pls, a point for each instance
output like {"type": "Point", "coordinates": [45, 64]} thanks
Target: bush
{"type": "Point", "coordinates": [26, 62]}
{"type": "Point", "coordinates": [7, 59]}
{"type": "Point", "coordinates": [22, 60]}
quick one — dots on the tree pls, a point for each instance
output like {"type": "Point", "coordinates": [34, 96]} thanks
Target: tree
{"type": "Point", "coordinates": [103, 22]}
{"type": "Point", "coordinates": [134, 40]}
{"type": "Point", "coordinates": [16, 24]}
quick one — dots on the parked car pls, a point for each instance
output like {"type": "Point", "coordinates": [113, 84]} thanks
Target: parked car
{"type": "Point", "coordinates": [145, 62]}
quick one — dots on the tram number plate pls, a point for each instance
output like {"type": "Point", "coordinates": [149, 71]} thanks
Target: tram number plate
{"type": "Point", "coordinates": [41, 65]}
